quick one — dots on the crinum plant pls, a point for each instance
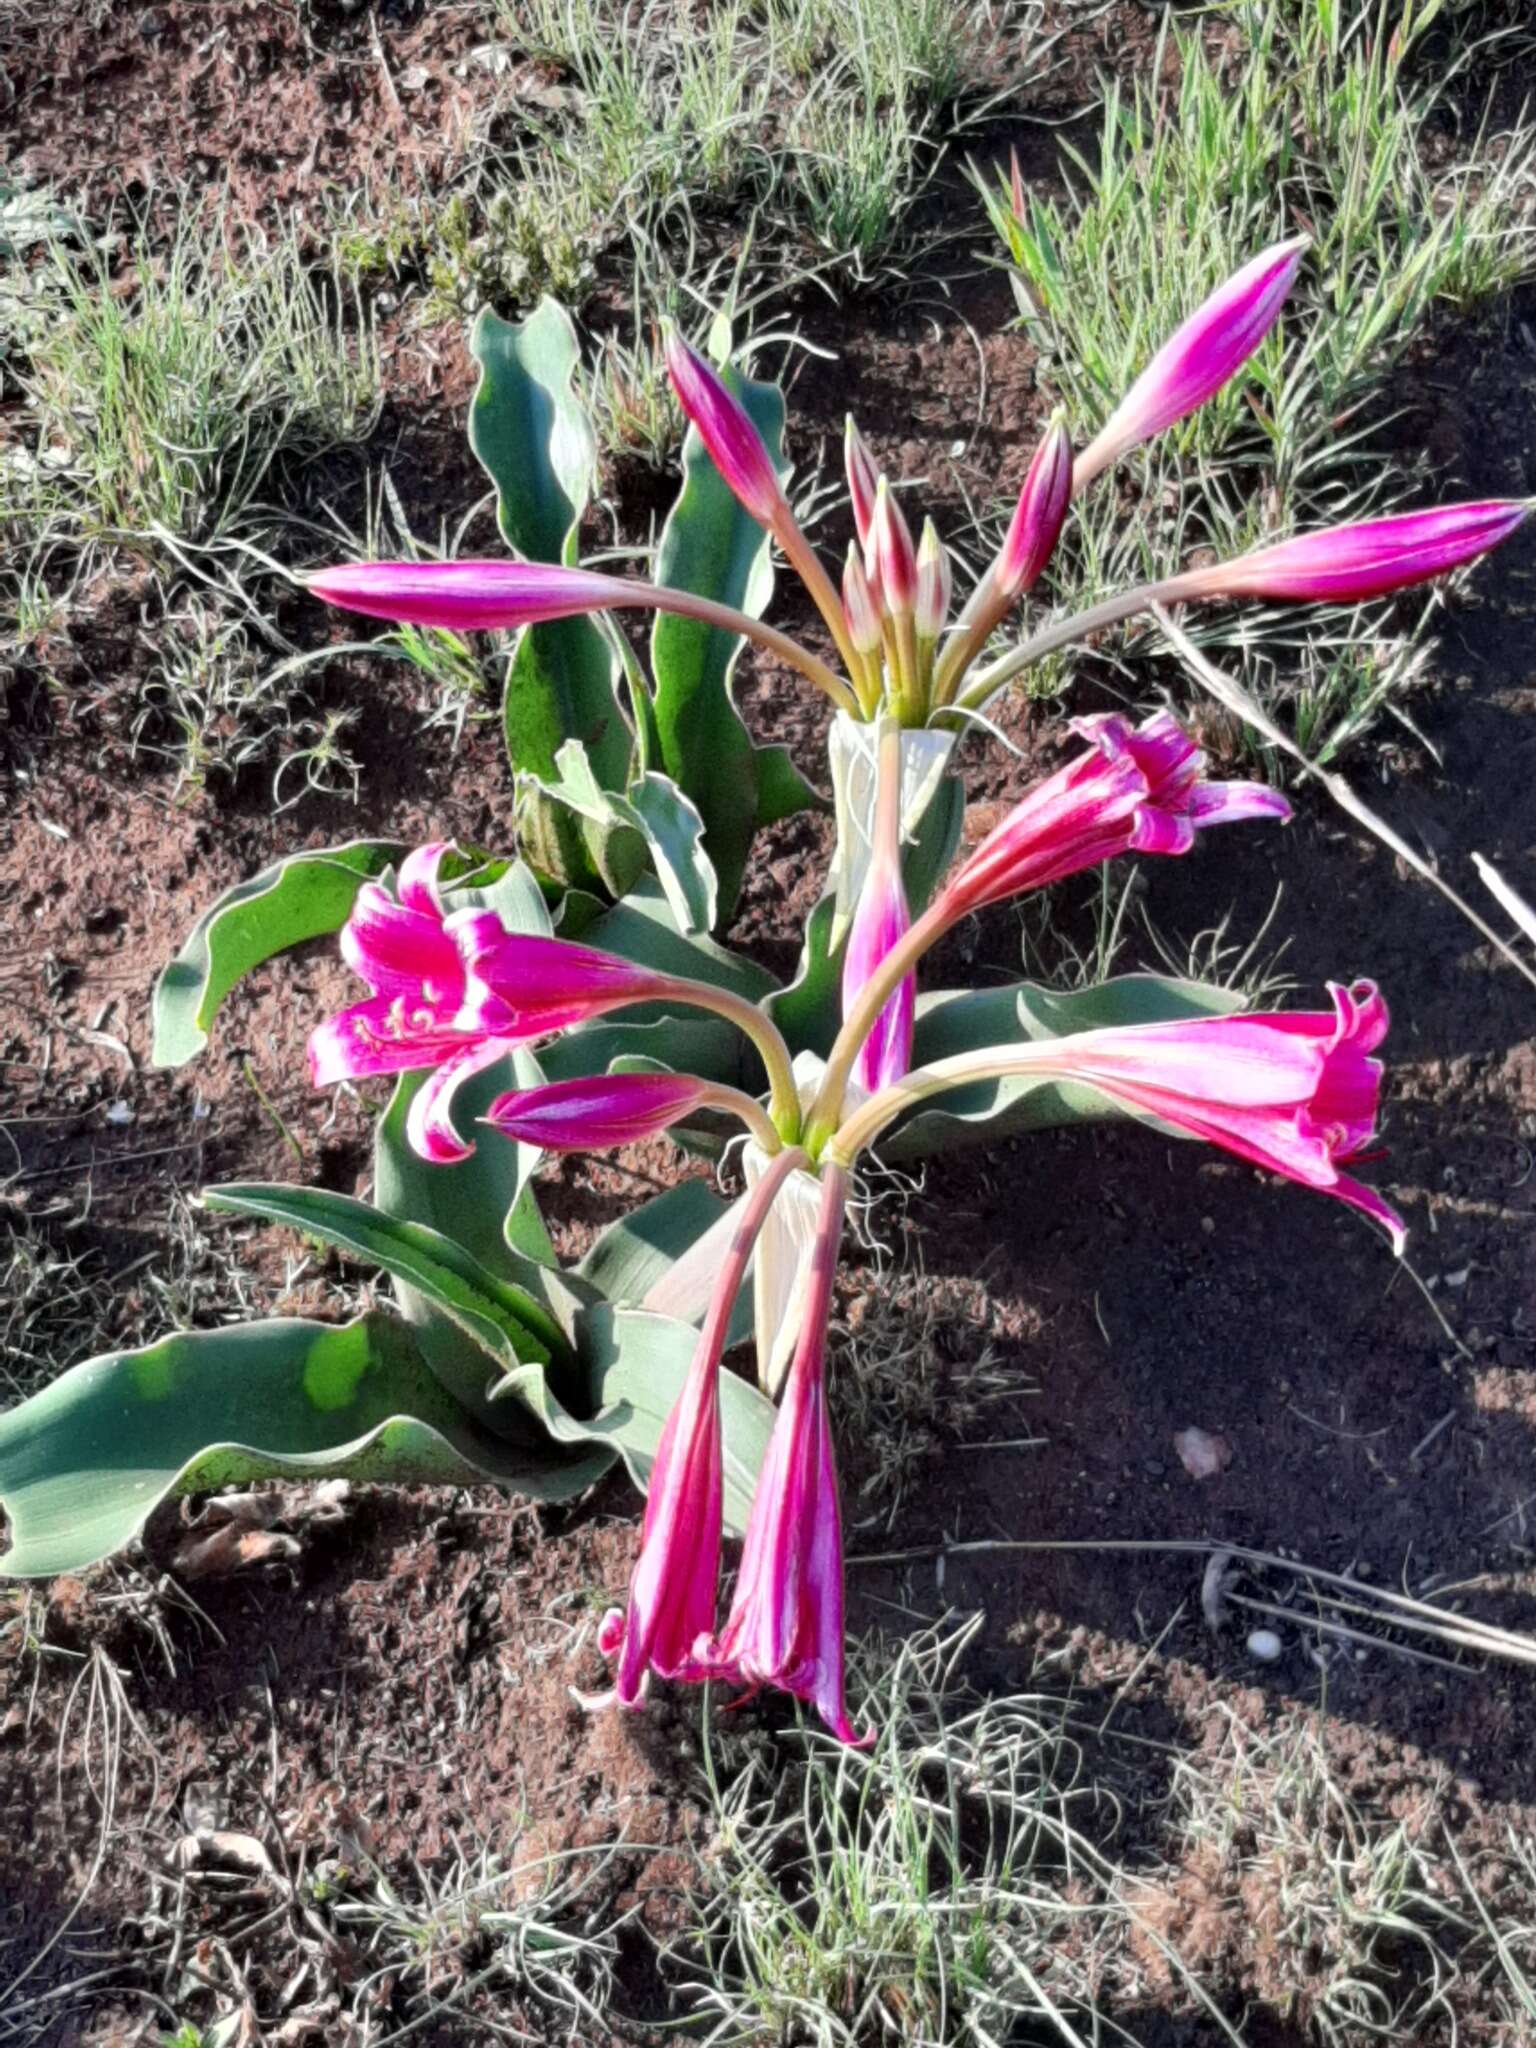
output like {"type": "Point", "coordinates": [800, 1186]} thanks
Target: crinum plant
{"type": "Point", "coordinates": [508, 1036]}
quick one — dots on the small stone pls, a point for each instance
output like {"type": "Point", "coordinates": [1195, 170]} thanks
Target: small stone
{"type": "Point", "coordinates": [1264, 1644]}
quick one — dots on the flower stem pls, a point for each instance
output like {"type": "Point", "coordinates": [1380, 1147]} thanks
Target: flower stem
{"type": "Point", "coordinates": [656, 597]}
{"type": "Point", "coordinates": [784, 1097]}
{"type": "Point", "coordinates": [826, 1111]}
{"type": "Point", "coordinates": [738, 1103]}
{"type": "Point", "coordinates": [1064, 632]}
{"type": "Point", "coordinates": [806, 563]}
{"type": "Point", "coordinates": [738, 1254]}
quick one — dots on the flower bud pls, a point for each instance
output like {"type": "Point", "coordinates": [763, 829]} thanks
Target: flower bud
{"type": "Point", "coordinates": [593, 1112]}
{"type": "Point", "coordinates": [1346, 564]}
{"type": "Point", "coordinates": [859, 606]}
{"type": "Point", "coordinates": [1211, 346]}
{"type": "Point", "coordinates": [1039, 515]}
{"type": "Point", "coordinates": [895, 556]}
{"type": "Point", "coordinates": [862, 478]}
{"type": "Point", "coordinates": [935, 585]}
{"type": "Point", "coordinates": [735, 446]}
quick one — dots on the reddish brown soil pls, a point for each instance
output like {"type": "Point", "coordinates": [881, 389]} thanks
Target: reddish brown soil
{"type": "Point", "coordinates": [412, 1676]}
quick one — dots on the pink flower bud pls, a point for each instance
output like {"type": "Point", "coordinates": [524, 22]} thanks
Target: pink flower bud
{"type": "Point", "coordinates": [935, 585]}
{"type": "Point", "coordinates": [470, 597]}
{"type": "Point", "coordinates": [859, 607]}
{"type": "Point", "coordinates": [1345, 564]}
{"type": "Point", "coordinates": [862, 479]}
{"type": "Point", "coordinates": [895, 555]}
{"type": "Point", "coordinates": [1211, 346]}
{"type": "Point", "coordinates": [735, 446]}
{"type": "Point", "coordinates": [596, 1111]}
{"type": "Point", "coordinates": [1038, 517]}
{"type": "Point", "coordinates": [879, 921]}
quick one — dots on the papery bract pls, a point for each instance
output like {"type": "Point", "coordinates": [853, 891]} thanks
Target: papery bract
{"type": "Point", "coordinates": [1211, 346]}
{"type": "Point", "coordinates": [592, 1112]}
{"type": "Point", "coordinates": [1346, 564]}
{"type": "Point", "coordinates": [785, 1626]}
{"type": "Point", "coordinates": [1138, 789]}
{"type": "Point", "coordinates": [725, 427]}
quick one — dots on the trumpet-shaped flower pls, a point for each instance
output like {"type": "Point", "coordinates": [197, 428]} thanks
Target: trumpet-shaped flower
{"type": "Point", "coordinates": [785, 1626]}
{"type": "Point", "coordinates": [1294, 1091]}
{"type": "Point", "coordinates": [595, 1111]}
{"type": "Point", "coordinates": [1138, 789]}
{"type": "Point", "coordinates": [1346, 564]}
{"type": "Point", "coordinates": [422, 1011]}
{"type": "Point", "coordinates": [880, 920]}
{"type": "Point", "coordinates": [1190, 367]}
{"type": "Point", "coordinates": [725, 427]}
{"type": "Point", "coordinates": [671, 1612]}
{"type": "Point", "coordinates": [541, 985]}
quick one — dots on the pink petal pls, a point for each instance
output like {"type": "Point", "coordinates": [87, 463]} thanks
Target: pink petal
{"type": "Point", "coordinates": [594, 1113]}
{"type": "Point", "coordinates": [1038, 517]}
{"type": "Point", "coordinates": [429, 1120]}
{"type": "Point", "coordinates": [469, 596]}
{"type": "Point", "coordinates": [1347, 564]}
{"type": "Point", "coordinates": [735, 446]}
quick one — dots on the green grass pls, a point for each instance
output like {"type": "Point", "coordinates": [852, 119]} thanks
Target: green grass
{"type": "Point", "coordinates": [1325, 124]}
{"type": "Point", "coordinates": [166, 388]}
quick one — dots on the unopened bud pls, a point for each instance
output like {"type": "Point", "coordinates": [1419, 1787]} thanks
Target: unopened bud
{"type": "Point", "coordinates": [935, 585]}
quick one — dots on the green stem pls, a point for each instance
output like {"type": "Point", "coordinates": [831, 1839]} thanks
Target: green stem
{"type": "Point", "coordinates": [656, 597]}
{"type": "Point", "coordinates": [783, 1096]}
{"type": "Point", "coordinates": [806, 563]}
{"type": "Point", "coordinates": [1077, 627]}
{"type": "Point", "coordinates": [738, 1103]}
{"type": "Point", "coordinates": [871, 1118]}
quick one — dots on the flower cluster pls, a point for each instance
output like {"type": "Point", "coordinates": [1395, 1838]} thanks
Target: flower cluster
{"type": "Point", "coordinates": [1294, 1092]}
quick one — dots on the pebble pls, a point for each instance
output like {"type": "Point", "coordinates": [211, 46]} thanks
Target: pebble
{"type": "Point", "coordinates": [1265, 1645]}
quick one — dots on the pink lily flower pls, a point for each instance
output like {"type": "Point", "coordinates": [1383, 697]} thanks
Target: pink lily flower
{"type": "Point", "coordinates": [1211, 346]}
{"type": "Point", "coordinates": [540, 985]}
{"type": "Point", "coordinates": [1347, 564]}
{"type": "Point", "coordinates": [671, 1610]}
{"type": "Point", "coordinates": [1293, 1091]}
{"type": "Point", "coordinates": [1139, 789]}
{"type": "Point", "coordinates": [735, 446]}
{"type": "Point", "coordinates": [422, 1011]}
{"type": "Point", "coordinates": [785, 1626]}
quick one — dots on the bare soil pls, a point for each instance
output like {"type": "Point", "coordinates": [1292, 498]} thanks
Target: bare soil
{"type": "Point", "coordinates": [409, 1682]}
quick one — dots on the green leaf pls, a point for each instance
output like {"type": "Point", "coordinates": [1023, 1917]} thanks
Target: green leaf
{"type": "Point", "coordinates": [528, 430]}
{"type": "Point", "coordinates": [510, 1326]}
{"type": "Point", "coordinates": [83, 1462]}
{"type": "Point", "coordinates": [292, 900]}
{"type": "Point", "coordinates": [810, 1009]}
{"type": "Point", "coordinates": [534, 441]}
{"type": "Point", "coordinates": [781, 789]}
{"type": "Point", "coordinates": [959, 1021]}
{"type": "Point", "coordinates": [643, 928]}
{"type": "Point", "coordinates": [559, 687]}
{"type": "Point", "coordinates": [713, 549]}
{"type": "Point", "coordinates": [638, 1363]}
{"type": "Point", "coordinates": [645, 1244]}
{"type": "Point", "coordinates": [651, 818]}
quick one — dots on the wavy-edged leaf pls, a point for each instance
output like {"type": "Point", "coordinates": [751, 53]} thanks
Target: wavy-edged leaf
{"type": "Point", "coordinates": [643, 928]}
{"type": "Point", "coordinates": [294, 899]}
{"type": "Point", "coordinates": [509, 1325]}
{"type": "Point", "coordinates": [639, 1252]}
{"type": "Point", "coordinates": [711, 547]}
{"type": "Point", "coordinates": [650, 819]}
{"type": "Point", "coordinates": [530, 434]}
{"type": "Point", "coordinates": [951, 1022]}
{"type": "Point", "coordinates": [83, 1462]}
